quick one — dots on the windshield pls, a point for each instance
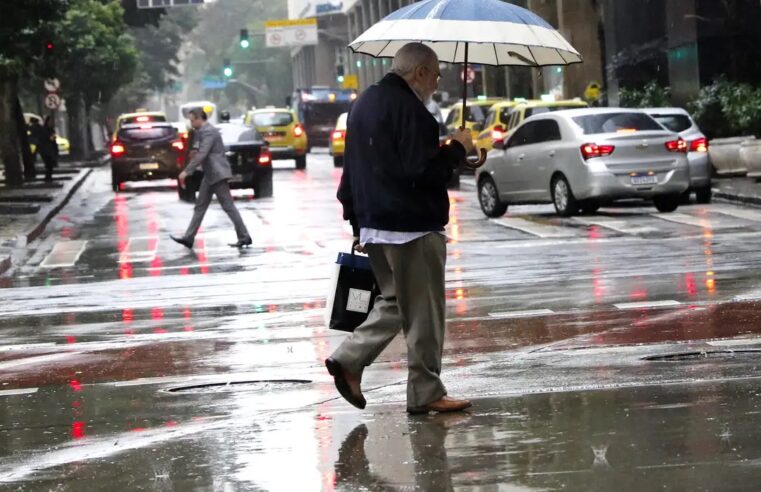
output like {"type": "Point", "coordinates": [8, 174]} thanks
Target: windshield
{"type": "Point", "coordinates": [323, 113]}
{"type": "Point", "coordinates": [674, 122]}
{"type": "Point", "coordinates": [274, 118]}
{"type": "Point", "coordinates": [613, 122]}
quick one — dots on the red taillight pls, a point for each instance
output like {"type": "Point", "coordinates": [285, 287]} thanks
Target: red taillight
{"type": "Point", "coordinates": [298, 131]}
{"type": "Point", "coordinates": [498, 133]}
{"type": "Point", "coordinates": [118, 149]}
{"type": "Point", "coordinates": [338, 135]}
{"type": "Point", "coordinates": [699, 145]}
{"type": "Point", "coordinates": [265, 157]}
{"type": "Point", "coordinates": [590, 150]}
{"type": "Point", "coordinates": [178, 145]}
{"type": "Point", "coordinates": [678, 145]}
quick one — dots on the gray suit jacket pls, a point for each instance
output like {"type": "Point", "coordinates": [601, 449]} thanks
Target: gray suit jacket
{"type": "Point", "coordinates": [210, 156]}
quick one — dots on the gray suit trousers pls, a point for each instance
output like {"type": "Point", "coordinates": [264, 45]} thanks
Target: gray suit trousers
{"type": "Point", "coordinates": [205, 193]}
{"type": "Point", "coordinates": [413, 299]}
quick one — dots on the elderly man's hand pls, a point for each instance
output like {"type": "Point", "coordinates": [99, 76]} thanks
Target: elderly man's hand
{"type": "Point", "coordinates": [465, 137]}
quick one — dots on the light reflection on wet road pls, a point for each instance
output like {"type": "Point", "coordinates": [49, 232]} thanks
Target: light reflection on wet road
{"type": "Point", "coordinates": [549, 321]}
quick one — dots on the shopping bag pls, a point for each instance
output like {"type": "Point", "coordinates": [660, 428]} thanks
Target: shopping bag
{"type": "Point", "coordinates": [352, 294]}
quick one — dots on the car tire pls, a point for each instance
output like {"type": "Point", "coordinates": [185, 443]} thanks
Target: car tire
{"type": "Point", "coordinates": [263, 187]}
{"type": "Point", "coordinates": [667, 203]}
{"type": "Point", "coordinates": [338, 161]}
{"type": "Point", "coordinates": [589, 207]}
{"type": "Point", "coordinates": [704, 195]}
{"type": "Point", "coordinates": [565, 203]}
{"type": "Point", "coordinates": [488, 197]}
{"type": "Point", "coordinates": [301, 162]}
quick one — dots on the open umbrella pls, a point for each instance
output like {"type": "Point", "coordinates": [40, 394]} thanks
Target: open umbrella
{"type": "Point", "coordinates": [487, 32]}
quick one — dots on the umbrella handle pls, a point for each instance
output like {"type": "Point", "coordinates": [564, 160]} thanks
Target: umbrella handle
{"type": "Point", "coordinates": [476, 162]}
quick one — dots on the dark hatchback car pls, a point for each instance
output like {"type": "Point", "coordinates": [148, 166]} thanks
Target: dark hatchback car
{"type": "Point", "coordinates": [146, 151]}
{"type": "Point", "coordinates": [250, 161]}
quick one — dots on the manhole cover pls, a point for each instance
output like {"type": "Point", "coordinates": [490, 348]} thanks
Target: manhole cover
{"type": "Point", "coordinates": [705, 355]}
{"type": "Point", "coordinates": [223, 387]}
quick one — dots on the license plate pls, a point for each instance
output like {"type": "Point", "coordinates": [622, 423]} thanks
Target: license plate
{"type": "Point", "coordinates": [149, 166]}
{"type": "Point", "coordinates": [274, 138]}
{"type": "Point", "coordinates": [644, 180]}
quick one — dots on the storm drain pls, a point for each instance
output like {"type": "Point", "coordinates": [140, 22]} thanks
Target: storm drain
{"type": "Point", "coordinates": [268, 386]}
{"type": "Point", "coordinates": [706, 355]}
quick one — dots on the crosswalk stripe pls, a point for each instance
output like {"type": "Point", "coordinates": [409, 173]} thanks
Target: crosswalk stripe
{"type": "Point", "coordinates": [739, 213]}
{"type": "Point", "coordinates": [64, 254]}
{"type": "Point", "coordinates": [617, 225]}
{"type": "Point", "coordinates": [691, 220]}
{"type": "Point", "coordinates": [647, 304]}
{"type": "Point", "coordinates": [522, 314]}
{"type": "Point", "coordinates": [539, 230]}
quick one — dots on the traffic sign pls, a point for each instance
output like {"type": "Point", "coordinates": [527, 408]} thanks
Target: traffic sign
{"type": "Point", "coordinates": [471, 75]}
{"type": "Point", "coordinates": [52, 85]}
{"type": "Point", "coordinates": [351, 81]}
{"type": "Point", "coordinates": [53, 101]}
{"type": "Point", "coordinates": [290, 33]}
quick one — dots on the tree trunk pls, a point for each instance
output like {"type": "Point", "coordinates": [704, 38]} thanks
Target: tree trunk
{"type": "Point", "coordinates": [77, 132]}
{"type": "Point", "coordinates": [26, 152]}
{"type": "Point", "coordinates": [10, 151]}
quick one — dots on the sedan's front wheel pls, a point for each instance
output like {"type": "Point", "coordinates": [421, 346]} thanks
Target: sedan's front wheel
{"type": "Point", "coordinates": [488, 197]}
{"type": "Point", "coordinates": [667, 203]}
{"type": "Point", "coordinates": [562, 197]}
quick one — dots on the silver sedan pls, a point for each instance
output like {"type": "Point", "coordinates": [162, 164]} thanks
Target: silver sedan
{"type": "Point", "coordinates": [582, 159]}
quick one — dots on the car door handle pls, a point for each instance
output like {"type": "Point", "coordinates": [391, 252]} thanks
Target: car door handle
{"type": "Point", "coordinates": [552, 153]}
{"type": "Point", "coordinates": [521, 157]}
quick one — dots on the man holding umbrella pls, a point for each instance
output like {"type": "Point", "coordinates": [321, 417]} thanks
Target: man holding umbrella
{"type": "Point", "coordinates": [394, 193]}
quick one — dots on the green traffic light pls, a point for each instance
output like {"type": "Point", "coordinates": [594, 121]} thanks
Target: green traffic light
{"type": "Point", "coordinates": [228, 71]}
{"type": "Point", "coordinates": [245, 43]}
{"type": "Point", "coordinates": [340, 79]}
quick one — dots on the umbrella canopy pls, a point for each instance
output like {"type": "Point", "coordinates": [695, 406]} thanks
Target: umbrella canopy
{"type": "Point", "coordinates": [495, 33]}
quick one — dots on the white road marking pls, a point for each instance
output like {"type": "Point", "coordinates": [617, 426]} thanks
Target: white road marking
{"type": "Point", "coordinates": [37, 359]}
{"type": "Point", "coordinates": [740, 213]}
{"type": "Point", "coordinates": [522, 314]}
{"type": "Point", "coordinates": [616, 225]}
{"type": "Point", "coordinates": [64, 254]}
{"type": "Point", "coordinates": [20, 391]}
{"type": "Point", "coordinates": [539, 230]}
{"type": "Point", "coordinates": [25, 346]}
{"type": "Point", "coordinates": [647, 304]}
{"type": "Point", "coordinates": [691, 220]}
{"type": "Point", "coordinates": [140, 249]}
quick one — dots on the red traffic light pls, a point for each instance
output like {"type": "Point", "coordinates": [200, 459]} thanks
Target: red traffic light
{"type": "Point", "coordinates": [49, 46]}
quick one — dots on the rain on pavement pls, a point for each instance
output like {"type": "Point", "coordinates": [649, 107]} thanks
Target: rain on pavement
{"type": "Point", "coordinates": [615, 350]}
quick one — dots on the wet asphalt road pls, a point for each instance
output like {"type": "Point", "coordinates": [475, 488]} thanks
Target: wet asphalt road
{"type": "Point", "coordinates": [610, 351]}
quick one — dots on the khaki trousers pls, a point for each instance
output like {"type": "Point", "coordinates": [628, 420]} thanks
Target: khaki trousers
{"type": "Point", "coordinates": [411, 281]}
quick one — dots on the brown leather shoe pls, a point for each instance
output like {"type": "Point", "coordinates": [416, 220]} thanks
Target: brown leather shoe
{"type": "Point", "coordinates": [346, 383]}
{"type": "Point", "coordinates": [445, 404]}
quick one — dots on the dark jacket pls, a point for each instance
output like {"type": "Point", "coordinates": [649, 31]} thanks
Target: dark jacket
{"type": "Point", "coordinates": [395, 173]}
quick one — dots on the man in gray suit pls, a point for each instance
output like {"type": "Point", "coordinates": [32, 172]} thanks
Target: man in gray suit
{"type": "Point", "coordinates": [210, 156]}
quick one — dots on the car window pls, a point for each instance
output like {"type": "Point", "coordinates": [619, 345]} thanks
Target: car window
{"type": "Point", "coordinates": [504, 115]}
{"type": "Point", "coordinates": [524, 135]}
{"type": "Point", "coordinates": [614, 122]}
{"type": "Point", "coordinates": [475, 114]}
{"type": "Point", "coordinates": [674, 122]}
{"type": "Point", "coordinates": [274, 118]}
{"type": "Point", "coordinates": [513, 120]}
{"type": "Point", "coordinates": [147, 132]}
{"type": "Point", "coordinates": [490, 119]}
{"type": "Point", "coordinates": [453, 115]}
{"type": "Point", "coordinates": [546, 131]}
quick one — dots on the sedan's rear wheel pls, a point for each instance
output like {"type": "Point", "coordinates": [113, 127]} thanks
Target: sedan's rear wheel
{"type": "Point", "coordinates": [562, 197]}
{"type": "Point", "coordinates": [488, 197]}
{"type": "Point", "coordinates": [704, 195]}
{"type": "Point", "coordinates": [667, 203]}
{"type": "Point", "coordinates": [589, 207]}
{"type": "Point", "coordinates": [301, 162]}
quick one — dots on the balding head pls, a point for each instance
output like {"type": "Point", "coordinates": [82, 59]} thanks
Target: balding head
{"type": "Point", "coordinates": [419, 66]}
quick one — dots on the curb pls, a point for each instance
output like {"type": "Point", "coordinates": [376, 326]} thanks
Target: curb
{"type": "Point", "coordinates": [47, 215]}
{"type": "Point", "coordinates": [737, 198]}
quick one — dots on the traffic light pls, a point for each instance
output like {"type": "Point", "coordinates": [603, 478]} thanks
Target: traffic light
{"type": "Point", "coordinates": [340, 73]}
{"type": "Point", "coordinates": [227, 69]}
{"type": "Point", "coordinates": [49, 47]}
{"type": "Point", "coordinates": [245, 42]}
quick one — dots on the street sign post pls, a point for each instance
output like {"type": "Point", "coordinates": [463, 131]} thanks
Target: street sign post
{"type": "Point", "coordinates": [290, 33]}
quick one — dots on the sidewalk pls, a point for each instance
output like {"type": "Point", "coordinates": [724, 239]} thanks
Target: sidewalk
{"type": "Point", "coordinates": [746, 191]}
{"type": "Point", "coordinates": [26, 211]}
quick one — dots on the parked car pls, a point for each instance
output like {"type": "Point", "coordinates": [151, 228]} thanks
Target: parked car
{"type": "Point", "coordinates": [679, 121]}
{"type": "Point", "coordinates": [281, 128]}
{"type": "Point", "coordinates": [495, 127]}
{"type": "Point", "coordinates": [475, 114]}
{"type": "Point", "coordinates": [250, 160]}
{"type": "Point", "coordinates": [338, 141]}
{"type": "Point", "coordinates": [145, 151]}
{"type": "Point", "coordinates": [581, 159]}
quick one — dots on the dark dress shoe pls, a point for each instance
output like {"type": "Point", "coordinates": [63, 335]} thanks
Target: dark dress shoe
{"type": "Point", "coordinates": [246, 241]}
{"type": "Point", "coordinates": [342, 384]}
{"type": "Point", "coordinates": [181, 240]}
{"type": "Point", "coordinates": [444, 405]}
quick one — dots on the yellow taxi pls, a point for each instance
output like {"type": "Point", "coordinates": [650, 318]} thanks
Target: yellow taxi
{"type": "Point", "coordinates": [338, 141]}
{"type": "Point", "coordinates": [137, 117]}
{"type": "Point", "coordinates": [495, 126]}
{"type": "Point", "coordinates": [530, 108]}
{"type": "Point", "coordinates": [281, 128]}
{"type": "Point", "coordinates": [475, 115]}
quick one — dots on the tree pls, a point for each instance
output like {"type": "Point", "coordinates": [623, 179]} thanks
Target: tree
{"type": "Point", "coordinates": [24, 29]}
{"type": "Point", "coordinates": [98, 57]}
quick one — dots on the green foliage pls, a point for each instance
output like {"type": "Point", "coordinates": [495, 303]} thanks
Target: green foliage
{"type": "Point", "coordinates": [651, 96]}
{"type": "Point", "coordinates": [98, 55]}
{"type": "Point", "coordinates": [727, 109]}
{"type": "Point", "coordinates": [24, 28]}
